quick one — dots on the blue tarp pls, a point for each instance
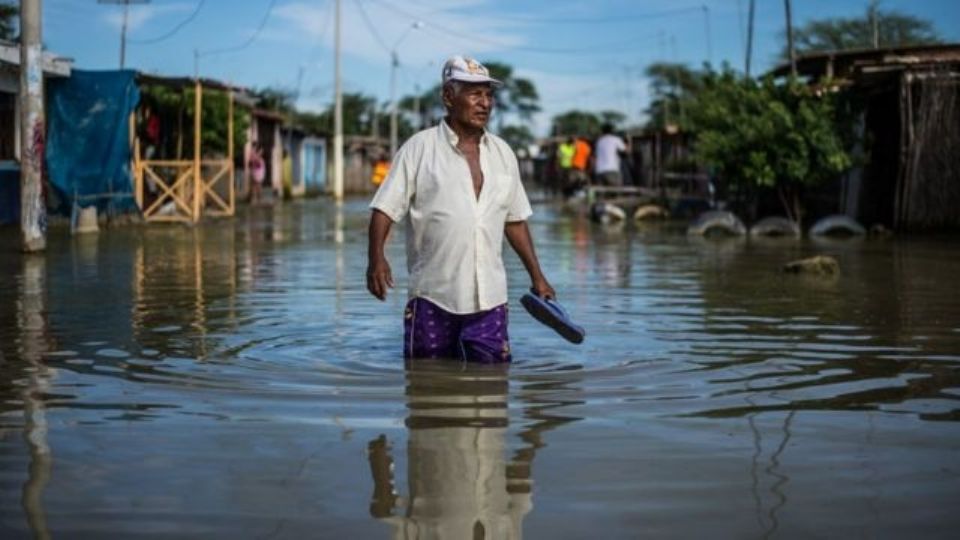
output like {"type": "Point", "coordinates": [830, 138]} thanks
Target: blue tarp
{"type": "Point", "coordinates": [88, 137]}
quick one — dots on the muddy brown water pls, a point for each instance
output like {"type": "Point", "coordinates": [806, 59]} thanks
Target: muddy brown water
{"type": "Point", "coordinates": [236, 380]}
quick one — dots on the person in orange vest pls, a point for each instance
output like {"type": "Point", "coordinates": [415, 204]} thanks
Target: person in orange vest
{"type": "Point", "coordinates": [581, 160]}
{"type": "Point", "coordinates": [381, 166]}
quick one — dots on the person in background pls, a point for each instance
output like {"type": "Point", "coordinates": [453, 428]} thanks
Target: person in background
{"type": "Point", "coordinates": [287, 176]}
{"type": "Point", "coordinates": [381, 166]}
{"type": "Point", "coordinates": [258, 170]}
{"type": "Point", "coordinates": [580, 163]}
{"type": "Point", "coordinates": [608, 150]}
{"type": "Point", "coordinates": [565, 152]}
{"type": "Point", "coordinates": [458, 188]}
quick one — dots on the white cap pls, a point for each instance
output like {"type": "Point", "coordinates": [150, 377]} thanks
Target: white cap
{"type": "Point", "coordinates": [465, 69]}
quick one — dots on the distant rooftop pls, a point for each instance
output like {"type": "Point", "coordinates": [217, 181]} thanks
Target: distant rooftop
{"type": "Point", "coordinates": [52, 64]}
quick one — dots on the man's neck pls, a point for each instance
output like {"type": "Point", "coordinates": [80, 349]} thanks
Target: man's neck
{"type": "Point", "coordinates": [466, 134]}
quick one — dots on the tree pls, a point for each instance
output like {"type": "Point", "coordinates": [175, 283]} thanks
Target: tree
{"type": "Point", "coordinates": [673, 86]}
{"type": "Point", "coordinates": [282, 100]}
{"type": "Point", "coordinates": [894, 29]}
{"type": "Point", "coordinates": [175, 107]}
{"type": "Point", "coordinates": [585, 123]}
{"type": "Point", "coordinates": [517, 136]}
{"type": "Point", "coordinates": [760, 135]}
{"type": "Point", "coordinates": [8, 20]}
{"type": "Point", "coordinates": [518, 96]}
{"type": "Point", "coordinates": [576, 122]}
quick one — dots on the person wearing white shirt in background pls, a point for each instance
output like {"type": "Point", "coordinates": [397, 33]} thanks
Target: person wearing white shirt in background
{"type": "Point", "coordinates": [458, 187]}
{"type": "Point", "coordinates": [607, 157]}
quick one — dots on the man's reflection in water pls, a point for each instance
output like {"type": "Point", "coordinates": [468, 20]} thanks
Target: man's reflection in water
{"type": "Point", "coordinates": [460, 483]}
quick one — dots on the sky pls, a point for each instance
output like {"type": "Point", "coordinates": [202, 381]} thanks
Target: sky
{"type": "Point", "coordinates": [580, 54]}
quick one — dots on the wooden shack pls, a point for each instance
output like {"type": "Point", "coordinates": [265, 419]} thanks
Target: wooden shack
{"type": "Point", "coordinates": [910, 125]}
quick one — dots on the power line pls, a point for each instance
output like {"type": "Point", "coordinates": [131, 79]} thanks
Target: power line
{"type": "Point", "coordinates": [373, 30]}
{"type": "Point", "coordinates": [610, 47]}
{"type": "Point", "coordinates": [608, 19]}
{"type": "Point", "coordinates": [249, 41]}
{"type": "Point", "coordinates": [173, 30]}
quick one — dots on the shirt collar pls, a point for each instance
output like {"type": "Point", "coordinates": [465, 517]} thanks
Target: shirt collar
{"type": "Point", "coordinates": [451, 136]}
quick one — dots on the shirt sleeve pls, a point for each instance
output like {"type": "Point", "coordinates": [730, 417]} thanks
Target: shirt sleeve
{"type": "Point", "coordinates": [621, 146]}
{"type": "Point", "coordinates": [395, 193]}
{"type": "Point", "coordinates": [519, 209]}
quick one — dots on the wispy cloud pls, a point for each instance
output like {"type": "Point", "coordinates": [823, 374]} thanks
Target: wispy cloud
{"type": "Point", "coordinates": [140, 15]}
{"type": "Point", "coordinates": [445, 28]}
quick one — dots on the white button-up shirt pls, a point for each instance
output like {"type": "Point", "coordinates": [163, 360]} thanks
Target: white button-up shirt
{"type": "Point", "coordinates": [454, 239]}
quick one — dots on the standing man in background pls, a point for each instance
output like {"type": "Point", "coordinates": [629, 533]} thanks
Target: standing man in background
{"type": "Point", "coordinates": [459, 189]}
{"type": "Point", "coordinates": [608, 150]}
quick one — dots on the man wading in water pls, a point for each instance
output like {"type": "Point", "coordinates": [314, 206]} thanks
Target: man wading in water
{"type": "Point", "coordinates": [459, 188]}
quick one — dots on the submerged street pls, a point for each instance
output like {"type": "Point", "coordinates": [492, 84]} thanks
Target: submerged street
{"type": "Point", "coordinates": [236, 379]}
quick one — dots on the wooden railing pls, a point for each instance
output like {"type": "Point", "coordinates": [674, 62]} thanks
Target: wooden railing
{"type": "Point", "coordinates": [186, 190]}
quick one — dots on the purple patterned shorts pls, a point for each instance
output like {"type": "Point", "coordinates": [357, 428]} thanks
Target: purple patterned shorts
{"type": "Point", "coordinates": [432, 332]}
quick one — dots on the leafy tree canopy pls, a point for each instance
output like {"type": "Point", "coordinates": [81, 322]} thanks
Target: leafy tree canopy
{"type": "Point", "coordinates": [518, 97]}
{"type": "Point", "coordinates": [761, 135]}
{"type": "Point", "coordinates": [585, 123]}
{"type": "Point", "coordinates": [894, 29]}
{"type": "Point", "coordinates": [672, 87]}
{"type": "Point", "coordinates": [517, 136]}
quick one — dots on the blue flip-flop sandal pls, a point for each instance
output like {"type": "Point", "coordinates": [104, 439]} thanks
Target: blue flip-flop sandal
{"type": "Point", "coordinates": [552, 314]}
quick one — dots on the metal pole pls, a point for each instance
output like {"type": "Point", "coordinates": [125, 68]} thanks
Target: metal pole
{"type": "Point", "coordinates": [753, 9]}
{"type": "Point", "coordinates": [123, 32]}
{"type": "Point", "coordinates": [393, 103]}
{"type": "Point", "coordinates": [33, 211]}
{"type": "Point", "coordinates": [124, 24]}
{"type": "Point", "coordinates": [337, 115]}
{"type": "Point", "coordinates": [416, 105]}
{"type": "Point", "coordinates": [706, 21]}
{"type": "Point", "coordinates": [790, 48]}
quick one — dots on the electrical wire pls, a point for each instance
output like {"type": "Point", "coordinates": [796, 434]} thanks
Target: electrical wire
{"type": "Point", "coordinates": [249, 41]}
{"type": "Point", "coordinates": [173, 30]}
{"type": "Point", "coordinates": [609, 47]}
{"type": "Point", "coordinates": [373, 30]}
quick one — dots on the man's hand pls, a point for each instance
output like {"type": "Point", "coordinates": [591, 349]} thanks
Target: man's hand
{"type": "Point", "coordinates": [543, 289]}
{"type": "Point", "coordinates": [379, 278]}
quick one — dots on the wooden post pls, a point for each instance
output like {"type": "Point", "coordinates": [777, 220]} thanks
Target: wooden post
{"type": "Point", "coordinates": [134, 154]}
{"type": "Point", "coordinates": [230, 180]}
{"type": "Point", "coordinates": [137, 174]}
{"type": "Point", "coordinates": [197, 147]}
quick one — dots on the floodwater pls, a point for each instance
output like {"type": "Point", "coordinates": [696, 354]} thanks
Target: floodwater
{"type": "Point", "coordinates": [235, 380]}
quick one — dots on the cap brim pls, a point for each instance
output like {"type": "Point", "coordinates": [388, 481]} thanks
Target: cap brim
{"type": "Point", "coordinates": [476, 79]}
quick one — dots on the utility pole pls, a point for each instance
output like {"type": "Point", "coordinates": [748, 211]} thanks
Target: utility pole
{"type": "Point", "coordinates": [394, 64]}
{"type": "Point", "coordinates": [753, 9]}
{"type": "Point", "coordinates": [337, 114]}
{"type": "Point", "coordinates": [123, 25]}
{"type": "Point", "coordinates": [706, 20]}
{"type": "Point", "coordinates": [416, 105]}
{"type": "Point", "coordinates": [875, 24]}
{"type": "Point", "coordinates": [790, 48]}
{"type": "Point", "coordinates": [33, 210]}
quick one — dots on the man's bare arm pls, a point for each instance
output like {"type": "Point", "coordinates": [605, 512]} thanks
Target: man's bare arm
{"type": "Point", "coordinates": [518, 234]}
{"type": "Point", "coordinates": [379, 277]}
